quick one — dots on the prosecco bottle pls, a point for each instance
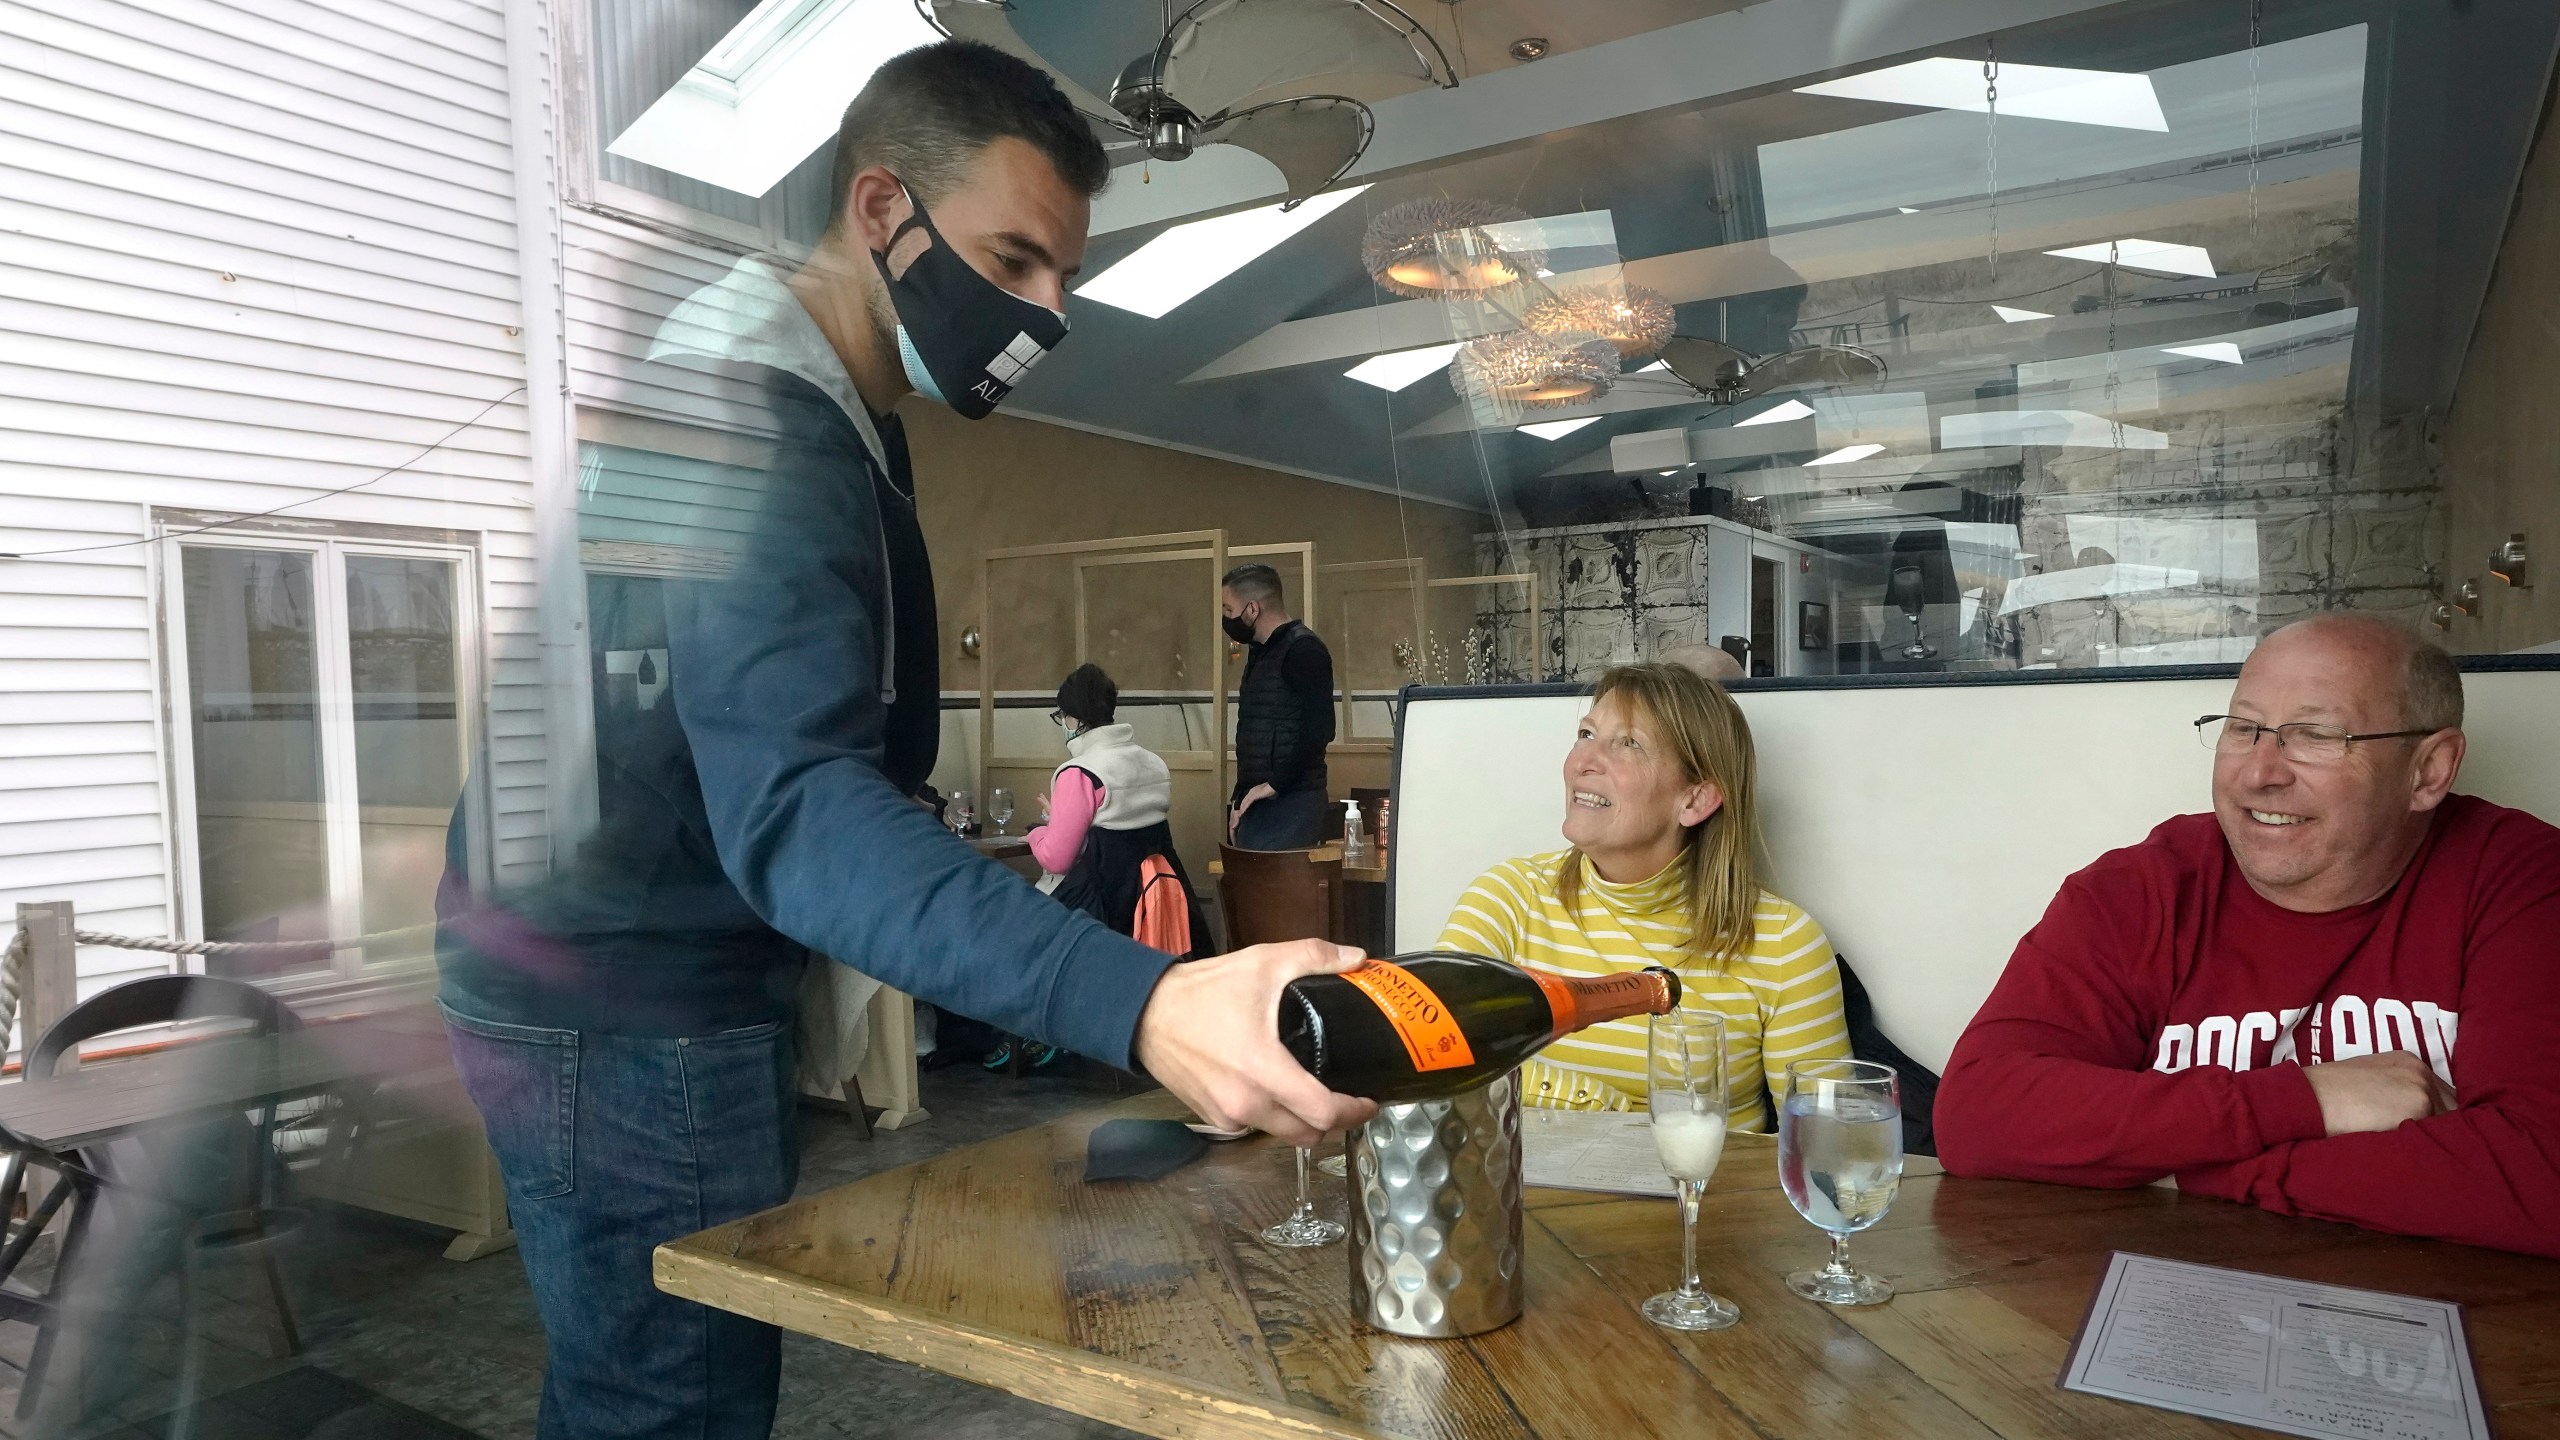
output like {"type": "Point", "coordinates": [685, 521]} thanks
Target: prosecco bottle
{"type": "Point", "coordinates": [1424, 1026]}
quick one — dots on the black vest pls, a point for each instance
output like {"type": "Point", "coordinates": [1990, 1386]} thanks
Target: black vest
{"type": "Point", "coordinates": [1274, 723]}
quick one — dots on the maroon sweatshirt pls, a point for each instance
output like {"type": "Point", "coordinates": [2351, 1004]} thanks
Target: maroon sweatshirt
{"type": "Point", "coordinates": [2155, 1022]}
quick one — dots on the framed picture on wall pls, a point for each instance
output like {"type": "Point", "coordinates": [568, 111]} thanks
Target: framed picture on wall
{"type": "Point", "coordinates": [1813, 625]}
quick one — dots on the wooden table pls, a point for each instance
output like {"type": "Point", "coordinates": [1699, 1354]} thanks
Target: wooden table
{"type": "Point", "coordinates": [101, 1101]}
{"type": "Point", "coordinates": [1154, 1307]}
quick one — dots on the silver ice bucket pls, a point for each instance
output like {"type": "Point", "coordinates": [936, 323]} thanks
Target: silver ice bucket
{"type": "Point", "coordinates": [1435, 1214]}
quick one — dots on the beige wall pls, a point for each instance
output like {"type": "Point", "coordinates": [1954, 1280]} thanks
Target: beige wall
{"type": "Point", "coordinates": [2501, 449]}
{"type": "Point", "coordinates": [1003, 482]}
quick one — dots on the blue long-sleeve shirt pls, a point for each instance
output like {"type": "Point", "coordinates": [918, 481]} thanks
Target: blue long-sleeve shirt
{"type": "Point", "coordinates": [759, 809]}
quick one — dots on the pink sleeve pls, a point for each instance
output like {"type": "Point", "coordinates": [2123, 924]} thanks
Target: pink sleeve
{"type": "Point", "coordinates": [1073, 801]}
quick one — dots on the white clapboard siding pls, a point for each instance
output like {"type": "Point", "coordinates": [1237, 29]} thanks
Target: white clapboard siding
{"type": "Point", "coordinates": [621, 282]}
{"type": "Point", "coordinates": [251, 251]}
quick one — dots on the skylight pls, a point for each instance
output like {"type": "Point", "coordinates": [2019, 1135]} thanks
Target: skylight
{"type": "Point", "coordinates": [773, 90]}
{"type": "Point", "coordinates": [1398, 368]}
{"type": "Point", "coordinates": [2013, 314]}
{"type": "Point", "coordinates": [1556, 429]}
{"type": "Point", "coordinates": [2226, 351]}
{"type": "Point", "coordinates": [1783, 410]}
{"type": "Point", "coordinates": [2157, 255]}
{"type": "Point", "coordinates": [2042, 92]}
{"type": "Point", "coordinates": [1845, 454]}
{"type": "Point", "coordinates": [1187, 259]}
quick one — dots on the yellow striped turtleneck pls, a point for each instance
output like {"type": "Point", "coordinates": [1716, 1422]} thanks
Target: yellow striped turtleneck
{"type": "Point", "coordinates": [1780, 999]}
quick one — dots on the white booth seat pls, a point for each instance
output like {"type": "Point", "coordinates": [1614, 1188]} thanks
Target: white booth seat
{"type": "Point", "coordinates": [1925, 821]}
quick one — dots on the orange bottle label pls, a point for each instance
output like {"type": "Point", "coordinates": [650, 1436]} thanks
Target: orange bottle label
{"type": "Point", "coordinates": [1430, 1033]}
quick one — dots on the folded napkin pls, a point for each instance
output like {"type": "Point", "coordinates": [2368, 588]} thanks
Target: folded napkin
{"type": "Point", "coordinates": [1139, 1149]}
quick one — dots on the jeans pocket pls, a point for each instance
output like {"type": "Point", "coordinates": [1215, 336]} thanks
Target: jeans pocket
{"type": "Point", "coordinates": [524, 1081]}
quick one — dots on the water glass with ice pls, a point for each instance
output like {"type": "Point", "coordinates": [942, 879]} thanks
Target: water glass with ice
{"type": "Point", "coordinates": [1840, 1162]}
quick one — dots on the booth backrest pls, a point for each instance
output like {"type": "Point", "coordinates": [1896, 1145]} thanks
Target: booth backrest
{"type": "Point", "coordinates": [1925, 825]}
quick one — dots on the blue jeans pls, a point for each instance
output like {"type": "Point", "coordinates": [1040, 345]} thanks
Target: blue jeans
{"type": "Point", "coordinates": [612, 1145]}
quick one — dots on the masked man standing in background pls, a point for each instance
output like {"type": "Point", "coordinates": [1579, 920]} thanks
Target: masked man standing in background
{"type": "Point", "coordinates": [625, 1025]}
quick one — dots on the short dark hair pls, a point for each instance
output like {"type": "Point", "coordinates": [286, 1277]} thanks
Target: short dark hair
{"type": "Point", "coordinates": [1254, 582]}
{"type": "Point", "coordinates": [927, 113]}
{"type": "Point", "coordinates": [1088, 696]}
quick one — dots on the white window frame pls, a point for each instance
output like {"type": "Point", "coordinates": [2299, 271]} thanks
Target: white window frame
{"type": "Point", "coordinates": [584, 187]}
{"type": "Point", "coordinates": [335, 684]}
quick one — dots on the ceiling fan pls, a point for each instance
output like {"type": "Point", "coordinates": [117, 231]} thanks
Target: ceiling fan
{"type": "Point", "coordinates": [1725, 375]}
{"type": "Point", "coordinates": [1288, 80]}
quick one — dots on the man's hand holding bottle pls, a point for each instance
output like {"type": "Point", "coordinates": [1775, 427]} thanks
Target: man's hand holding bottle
{"type": "Point", "coordinates": [1210, 1035]}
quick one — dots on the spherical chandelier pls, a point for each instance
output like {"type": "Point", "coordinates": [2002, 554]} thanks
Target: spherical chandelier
{"type": "Point", "coordinates": [1438, 249]}
{"type": "Point", "coordinates": [1635, 320]}
{"type": "Point", "coordinates": [1537, 372]}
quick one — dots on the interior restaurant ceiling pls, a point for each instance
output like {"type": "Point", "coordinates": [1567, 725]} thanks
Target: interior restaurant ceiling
{"type": "Point", "coordinates": [2346, 179]}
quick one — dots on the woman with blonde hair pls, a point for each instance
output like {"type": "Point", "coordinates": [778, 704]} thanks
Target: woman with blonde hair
{"type": "Point", "coordinates": [1661, 868]}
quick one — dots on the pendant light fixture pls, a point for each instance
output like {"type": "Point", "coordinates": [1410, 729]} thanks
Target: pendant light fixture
{"type": "Point", "coordinates": [1635, 320]}
{"type": "Point", "coordinates": [1534, 371]}
{"type": "Point", "coordinates": [1439, 249]}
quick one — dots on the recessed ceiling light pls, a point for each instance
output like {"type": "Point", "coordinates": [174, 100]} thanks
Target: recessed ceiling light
{"type": "Point", "coordinates": [1557, 429]}
{"type": "Point", "coordinates": [1188, 259]}
{"type": "Point", "coordinates": [1847, 453]}
{"type": "Point", "coordinates": [2157, 255]}
{"type": "Point", "coordinates": [1666, 472]}
{"type": "Point", "coordinates": [1783, 410]}
{"type": "Point", "coordinates": [1908, 209]}
{"type": "Point", "coordinates": [1754, 499]}
{"type": "Point", "coordinates": [2226, 351]}
{"type": "Point", "coordinates": [2013, 314]}
{"type": "Point", "coordinates": [2042, 92]}
{"type": "Point", "coordinates": [1649, 369]}
{"type": "Point", "coordinates": [773, 90]}
{"type": "Point", "coordinates": [1528, 48]}
{"type": "Point", "coordinates": [1398, 368]}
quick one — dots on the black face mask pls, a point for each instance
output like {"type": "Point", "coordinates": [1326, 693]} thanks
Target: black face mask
{"type": "Point", "coordinates": [964, 340]}
{"type": "Point", "coordinates": [1238, 628]}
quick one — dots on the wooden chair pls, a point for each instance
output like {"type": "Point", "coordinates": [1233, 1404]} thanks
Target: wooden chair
{"type": "Point", "coordinates": [1273, 895]}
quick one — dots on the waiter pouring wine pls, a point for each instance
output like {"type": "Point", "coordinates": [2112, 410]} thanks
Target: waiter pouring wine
{"type": "Point", "coordinates": [624, 1024]}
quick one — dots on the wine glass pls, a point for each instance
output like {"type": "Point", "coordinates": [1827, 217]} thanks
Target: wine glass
{"type": "Point", "coordinates": [1840, 1162]}
{"type": "Point", "coordinates": [1303, 1227]}
{"type": "Point", "coordinates": [956, 812]}
{"type": "Point", "coordinates": [1684, 1075]}
{"type": "Point", "coordinates": [1000, 808]}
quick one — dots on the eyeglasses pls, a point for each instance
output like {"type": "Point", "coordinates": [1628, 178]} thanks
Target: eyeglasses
{"type": "Point", "coordinates": [1058, 717]}
{"type": "Point", "coordinates": [2301, 740]}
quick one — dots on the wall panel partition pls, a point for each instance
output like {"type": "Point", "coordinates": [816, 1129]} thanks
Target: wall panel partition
{"type": "Point", "coordinates": [1924, 821]}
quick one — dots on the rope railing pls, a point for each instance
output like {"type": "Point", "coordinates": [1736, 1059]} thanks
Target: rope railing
{"type": "Point", "coordinates": [21, 952]}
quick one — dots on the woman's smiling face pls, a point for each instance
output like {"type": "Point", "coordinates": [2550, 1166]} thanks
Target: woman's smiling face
{"type": "Point", "coordinates": [1627, 804]}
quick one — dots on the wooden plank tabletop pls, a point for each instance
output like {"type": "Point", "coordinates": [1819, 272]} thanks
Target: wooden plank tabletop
{"type": "Point", "coordinates": [1155, 1307]}
{"type": "Point", "coordinates": [103, 1100]}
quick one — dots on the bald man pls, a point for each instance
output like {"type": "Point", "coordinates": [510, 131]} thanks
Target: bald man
{"type": "Point", "coordinates": [2337, 995]}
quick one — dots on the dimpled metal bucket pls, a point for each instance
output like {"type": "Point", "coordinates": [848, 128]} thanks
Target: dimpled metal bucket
{"type": "Point", "coordinates": [1435, 1214]}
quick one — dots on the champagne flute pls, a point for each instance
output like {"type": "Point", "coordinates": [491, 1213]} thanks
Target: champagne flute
{"type": "Point", "coordinates": [1684, 1075]}
{"type": "Point", "coordinates": [1000, 808]}
{"type": "Point", "coordinates": [1303, 1227]}
{"type": "Point", "coordinates": [1840, 1162]}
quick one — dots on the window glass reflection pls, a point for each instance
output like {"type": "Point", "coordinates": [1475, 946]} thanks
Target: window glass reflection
{"type": "Point", "coordinates": [262, 842]}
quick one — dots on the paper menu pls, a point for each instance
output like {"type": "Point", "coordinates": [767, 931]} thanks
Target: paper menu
{"type": "Point", "coordinates": [1610, 1151]}
{"type": "Point", "coordinates": [2307, 1359]}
